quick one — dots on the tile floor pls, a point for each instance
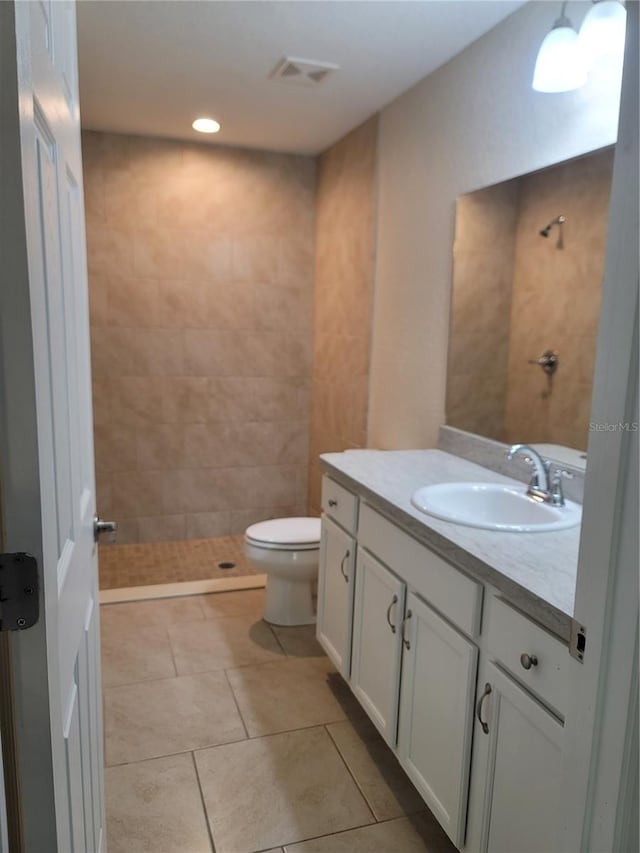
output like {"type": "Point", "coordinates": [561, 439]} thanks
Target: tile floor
{"type": "Point", "coordinates": [147, 563]}
{"type": "Point", "coordinates": [224, 734]}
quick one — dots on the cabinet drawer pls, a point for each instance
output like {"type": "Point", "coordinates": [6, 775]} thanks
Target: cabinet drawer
{"type": "Point", "coordinates": [511, 635]}
{"type": "Point", "coordinates": [339, 504]}
{"type": "Point", "coordinates": [450, 591]}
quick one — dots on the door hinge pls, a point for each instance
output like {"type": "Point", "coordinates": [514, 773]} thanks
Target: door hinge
{"type": "Point", "coordinates": [19, 600]}
{"type": "Point", "coordinates": [577, 641]}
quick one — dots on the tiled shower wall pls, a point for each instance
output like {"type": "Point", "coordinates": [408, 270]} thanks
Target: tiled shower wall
{"type": "Point", "coordinates": [345, 256]}
{"type": "Point", "coordinates": [201, 287]}
{"type": "Point", "coordinates": [556, 300]}
{"type": "Point", "coordinates": [483, 256]}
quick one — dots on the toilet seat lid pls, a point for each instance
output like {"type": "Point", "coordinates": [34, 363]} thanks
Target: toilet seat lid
{"type": "Point", "coordinates": [285, 531]}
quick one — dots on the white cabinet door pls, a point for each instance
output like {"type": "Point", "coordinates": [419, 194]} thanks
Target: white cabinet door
{"type": "Point", "coordinates": [377, 644]}
{"type": "Point", "coordinates": [436, 713]}
{"type": "Point", "coordinates": [335, 594]}
{"type": "Point", "coordinates": [518, 762]}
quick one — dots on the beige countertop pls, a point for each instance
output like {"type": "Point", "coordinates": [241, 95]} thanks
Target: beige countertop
{"type": "Point", "coordinates": [534, 571]}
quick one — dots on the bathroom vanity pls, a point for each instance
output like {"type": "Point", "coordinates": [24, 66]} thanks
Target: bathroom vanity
{"type": "Point", "coordinates": [455, 642]}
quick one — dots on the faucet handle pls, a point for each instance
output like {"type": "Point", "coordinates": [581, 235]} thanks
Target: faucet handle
{"type": "Point", "coordinates": [534, 482]}
{"type": "Point", "coordinates": [562, 474]}
{"type": "Point", "coordinates": [557, 492]}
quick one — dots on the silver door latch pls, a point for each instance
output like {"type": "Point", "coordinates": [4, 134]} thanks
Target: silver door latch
{"type": "Point", "coordinates": [19, 603]}
{"type": "Point", "coordinates": [100, 527]}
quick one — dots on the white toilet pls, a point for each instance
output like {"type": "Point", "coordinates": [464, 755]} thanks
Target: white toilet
{"type": "Point", "coordinates": [287, 551]}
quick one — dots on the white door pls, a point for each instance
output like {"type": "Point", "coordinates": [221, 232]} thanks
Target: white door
{"type": "Point", "coordinates": [336, 582]}
{"type": "Point", "coordinates": [600, 779]}
{"type": "Point", "coordinates": [518, 759]}
{"type": "Point", "coordinates": [46, 399]}
{"type": "Point", "coordinates": [436, 714]}
{"type": "Point", "coordinates": [378, 610]}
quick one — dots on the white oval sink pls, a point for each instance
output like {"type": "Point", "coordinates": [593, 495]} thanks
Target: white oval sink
{"type": "Point", "coordinates": [492, 506]}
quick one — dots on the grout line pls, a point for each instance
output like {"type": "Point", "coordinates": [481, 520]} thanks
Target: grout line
{"type": "Point", "coordinates": [171, 652]}
{"type": "Point", "coordinates": [235, 699]}
{"type": "Point", "coordinates": [200, 602]}
{"type": "Point", "coordinates": [356, 783]}
{"type": "Point", "coordinates": [197, 672]}
{"type": "Point", "coordinates": [106, 687]}
{"type": "Point", "coordinates": [204, 805]}
{"type": "Point", "coordinates": [408, 815]}
{"type": "Point", "coordinates": [331, 834]}
{"type": "Point", "coordinates": [277, 638]}
{"type": "Point", "coordinates": [343, 831]}
{"type": "Point", "coordinates": [297, 729]}
{"type": "Point", "coordinates": [187, 751]}
{"type": "Point", "coordinates": [191, 749]}
{"type": "Point", "coordinates": [194, 749]}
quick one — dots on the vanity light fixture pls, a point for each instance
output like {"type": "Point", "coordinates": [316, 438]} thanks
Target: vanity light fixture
{"type": "Point", "coordinates": [603, 31]}
{"type": "Point", "coordinates": [560, 66]}
{"type": "Point", "coordinates": [206, 125]}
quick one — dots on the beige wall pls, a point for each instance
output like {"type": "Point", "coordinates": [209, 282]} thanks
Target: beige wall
{"type": "Point", "coordinates": [201, 285]}
{"type": "Point", "coordinates": [556, 300]}
{"type": "Point", "coordinates": [345, 244]}
{"type": "Point", "coordinates": [473, 123]}
{"type": "Point", "coordinates": [481, 309]}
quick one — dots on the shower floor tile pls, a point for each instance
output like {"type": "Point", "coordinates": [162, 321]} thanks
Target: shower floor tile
{"type": "Point", "coordinates": [171, 562]}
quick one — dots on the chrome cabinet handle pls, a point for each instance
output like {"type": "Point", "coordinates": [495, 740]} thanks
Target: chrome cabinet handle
{"type": "Point", "coordinates": [333, 502]}
{"type": "Point", "coordinates": [485, 693]}
{"type": "Point", "coordinates": [394, 600]}
{"type": "Point", "coordinates": [406, 643]}
{"type": "Point", "coordinates": [528, 661]}
{"type": "Point", "coordinates": [342, 571]}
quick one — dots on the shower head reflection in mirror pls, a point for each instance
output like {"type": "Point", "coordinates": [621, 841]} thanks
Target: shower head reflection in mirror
{"type": "Point", "coordinates": [559, 221]}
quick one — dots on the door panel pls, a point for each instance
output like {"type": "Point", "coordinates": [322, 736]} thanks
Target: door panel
{"type": "Point", "coordinates": [436, 714]}
{"type": "Point", "coordinates": [73, 752]}
{"type": "Point", "coordinates": [377, 644]}
{"type": "Point", "coordinates": [336, 583]}
{"type": "Point", "coordinates": [64, 743]}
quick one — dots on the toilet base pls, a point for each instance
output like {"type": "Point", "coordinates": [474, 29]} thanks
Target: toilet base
{"type": "Point", "coordinates": [289, 602]}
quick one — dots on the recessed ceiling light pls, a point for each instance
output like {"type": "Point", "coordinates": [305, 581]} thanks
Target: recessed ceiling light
{"type": "Point", "coordinates": [206, 125]}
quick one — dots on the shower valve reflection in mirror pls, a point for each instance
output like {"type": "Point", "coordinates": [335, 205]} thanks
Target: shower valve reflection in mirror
{"type": "Point", "coordinates": [548, 361]}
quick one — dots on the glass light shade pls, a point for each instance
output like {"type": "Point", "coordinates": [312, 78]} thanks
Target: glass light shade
{"type": "Point", "coordinates": [560, 66]}
{"type": "Point", "coordinates": [206, 125]}
{"type": "Point", "coordinates": [603, 31]}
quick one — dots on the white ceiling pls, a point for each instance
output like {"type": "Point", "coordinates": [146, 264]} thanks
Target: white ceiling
{"type": "Point", "coordinates": [149, 67]}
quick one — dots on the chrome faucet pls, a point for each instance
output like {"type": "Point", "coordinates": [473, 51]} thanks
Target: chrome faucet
{"type": "Point", "coordinates": [542, 486]}
{"type": "Point", "coordinates": [539, 485]}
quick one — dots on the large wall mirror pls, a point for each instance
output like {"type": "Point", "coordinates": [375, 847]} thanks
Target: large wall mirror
{"type": "Point", "coordinates": [528, 266]}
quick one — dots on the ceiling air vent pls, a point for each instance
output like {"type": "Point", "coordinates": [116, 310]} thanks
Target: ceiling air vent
{"type": "Point", "coordinates": [302, 72]}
